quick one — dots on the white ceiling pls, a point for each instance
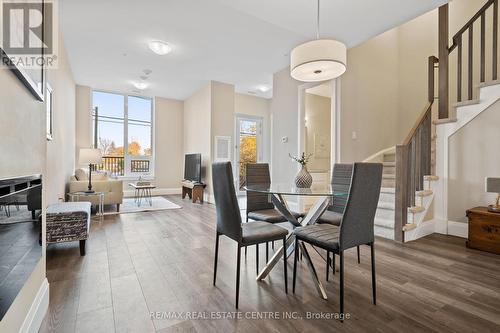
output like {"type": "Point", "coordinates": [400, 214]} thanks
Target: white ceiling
{"type": "Point", "coordinates": [242, 42]}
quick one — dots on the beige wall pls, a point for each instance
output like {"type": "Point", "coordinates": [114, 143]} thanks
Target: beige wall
{"type": "Point", "coordinates": [26, 151]}
{"type": "Point", "coordinates": [284, 112]}
{"type": "Point", "coordinates": [369, 98]}
{"type": "Point", "coordinates": [197, 128]}
{"type": "Point", "coordinates": [83, 118]}
{"type": "Point", "coordinates": [222, 114]}
{"type": "Point", "coordinates": [318, 123]}
{"type": "Point", "coordinates": [257, 107]}
{"type": "Point", "coordinates": [61, 150]}
{"type": "Point", "coordinates": [472, 157]}
{"type": "Point", "coordinates": [169, 150]}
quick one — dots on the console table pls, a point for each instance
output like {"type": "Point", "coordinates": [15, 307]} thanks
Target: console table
{"type": "Point", "coordinates": [484, 230]}
{"type": "Point", "coordinates": [193, 190]}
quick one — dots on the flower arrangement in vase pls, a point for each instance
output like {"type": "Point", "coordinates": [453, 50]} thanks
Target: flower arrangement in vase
{"type": "Point", "coordinates": [303, 179]}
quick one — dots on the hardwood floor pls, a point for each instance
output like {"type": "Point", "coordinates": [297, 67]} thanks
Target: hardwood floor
{"type": "Point", "coordinates": [163, 261]}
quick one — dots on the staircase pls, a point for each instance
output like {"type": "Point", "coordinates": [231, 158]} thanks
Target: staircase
{"type": "Point", "coordinates": [384, 218]}
{"type": "Point", "coordinates": [386, 210]}
{"type": "Point", "coordinates": [416, 171]}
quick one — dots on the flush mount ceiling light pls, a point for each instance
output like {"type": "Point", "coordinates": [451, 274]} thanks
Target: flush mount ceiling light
{"type": "Point", "coordinates": [159, 47]}
{"type": "Point", "coordinates": [318, 60]}
{"type": "Point", "coordinates": [263, 89]}
{"type": "Point", "coordinates": [140, 85]}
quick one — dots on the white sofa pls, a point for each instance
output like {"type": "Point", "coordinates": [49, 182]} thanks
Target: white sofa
{"type": "Point", "coordinates": [112, 188]}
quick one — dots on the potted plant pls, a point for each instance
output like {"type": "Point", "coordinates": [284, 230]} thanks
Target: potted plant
{"type": "Point", "coordinates": [303, 178]}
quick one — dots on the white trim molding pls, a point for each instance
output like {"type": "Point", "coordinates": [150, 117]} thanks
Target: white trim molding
{"type": "Point", "coordinates": [37, 311]}
{"type": "Point", "coordinates": [463, 114]}
{"type": "Point", "coordinates": [459, 229]}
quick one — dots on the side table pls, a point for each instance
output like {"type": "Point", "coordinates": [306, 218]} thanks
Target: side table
{"type": "Point", "coordinates": [77, 197]}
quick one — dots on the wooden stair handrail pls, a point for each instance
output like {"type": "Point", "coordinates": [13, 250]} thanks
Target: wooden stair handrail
{"type": "Point", "coordinates": [432, 60]}
{"type": "Point", "coordinates": [469, 23]}
{"type": "Point", "coordinates": [418, 123]}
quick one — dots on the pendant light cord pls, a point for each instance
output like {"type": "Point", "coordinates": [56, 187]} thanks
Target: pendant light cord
{"type": "Point", "coordinates": [317, 23]}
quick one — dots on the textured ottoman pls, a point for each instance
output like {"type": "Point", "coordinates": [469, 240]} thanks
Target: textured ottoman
{"type": "Point", "coordinates": [67, 222]}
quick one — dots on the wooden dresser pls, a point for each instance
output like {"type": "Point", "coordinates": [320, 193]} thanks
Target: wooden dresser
{"type": "Point", "coordinates": [484, 230]}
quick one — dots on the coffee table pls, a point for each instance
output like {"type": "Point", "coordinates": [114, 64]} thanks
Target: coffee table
{"type": "Point", "coordinates": [142, 190]}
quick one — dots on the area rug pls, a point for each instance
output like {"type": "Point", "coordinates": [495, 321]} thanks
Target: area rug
{"type": "Point", "coordinates": [17, 216]}
{"type": "Point", "coordinates": [130, 206]}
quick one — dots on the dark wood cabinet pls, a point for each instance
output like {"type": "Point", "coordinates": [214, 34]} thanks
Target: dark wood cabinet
{"type": "Point", "coordinates": [484, 230]}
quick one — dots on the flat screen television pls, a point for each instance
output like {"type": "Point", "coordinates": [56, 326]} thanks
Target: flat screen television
{"type": "Point", "coordinates": [192, 167]}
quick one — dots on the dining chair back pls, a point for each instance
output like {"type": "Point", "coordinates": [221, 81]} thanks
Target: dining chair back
{"type": "Point", "coordinates": [226, 202]}
{"type": "Point", "coordinates": [341, 182]}
{"type": "Point", "coordinates": [258, 173]}
{"type": "Point", "coordinates": [356, 227]}
{"type": "Point", "coordinates": [229, 222]}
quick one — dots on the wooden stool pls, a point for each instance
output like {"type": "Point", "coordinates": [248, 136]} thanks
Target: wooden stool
{"type": "Point", "coordinates": [193, 190]}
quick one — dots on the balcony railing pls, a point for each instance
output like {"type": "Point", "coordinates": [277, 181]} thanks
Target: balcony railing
{"type": "Point", "coordinates": [116, 165]}
{"type": "Point", "coordinates": [139, 165]}
{"type": "Point", "coordinates": [113, 164]}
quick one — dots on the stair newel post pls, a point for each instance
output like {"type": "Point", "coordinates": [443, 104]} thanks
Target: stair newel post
{"type": "Point", "coordinates": [443, 61]}
{"type": "Point", "coordinates": [401, 204]}
{"type": "Point", "coordinates": [431, 61]}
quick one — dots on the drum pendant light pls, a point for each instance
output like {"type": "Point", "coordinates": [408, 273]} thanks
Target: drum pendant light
{"type": "Point", "coordinates": [318, 60]}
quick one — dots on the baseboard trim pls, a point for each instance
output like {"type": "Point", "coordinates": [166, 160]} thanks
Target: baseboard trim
{"type": "Point", "coordinates": [459, 229]}
{"type": "Point", "coordinates": [37, 311]}
{"type": "Point", "coordinates": [155, 191]}
{"type": "Point", "coordinates": [207, 197]}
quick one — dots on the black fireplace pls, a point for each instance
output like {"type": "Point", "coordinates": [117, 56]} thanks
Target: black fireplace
{"type": "Point", "coordinates": [20, 226]}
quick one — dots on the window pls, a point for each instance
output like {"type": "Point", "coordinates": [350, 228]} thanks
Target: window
{"type": "Point", "coordinates": [123, 132]}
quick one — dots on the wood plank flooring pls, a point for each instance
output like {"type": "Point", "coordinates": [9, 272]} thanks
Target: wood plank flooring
{"type": "Point", "coordinates": [162, 261]}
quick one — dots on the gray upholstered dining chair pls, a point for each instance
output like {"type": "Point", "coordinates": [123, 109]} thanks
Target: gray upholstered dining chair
{"type": "Point", "coordinates": [356, 227]}
{"type": "Point", "coordinates": [229, 221]}
{"type": "Point", "coordinates": [341, 181]}
{"type": "Point", "coordinates": [259, 208]}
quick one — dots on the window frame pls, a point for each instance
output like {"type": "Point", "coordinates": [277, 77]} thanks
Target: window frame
{"type": "Point", "coordinates": [49, 112]}
{"type": "Point", "coordinates": [128, 158]}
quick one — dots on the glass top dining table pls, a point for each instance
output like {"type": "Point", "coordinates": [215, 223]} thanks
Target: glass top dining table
{"type": "Point", "coordinates": [290, 189]}
{"type": "Point", "coordinates": [326, 194]}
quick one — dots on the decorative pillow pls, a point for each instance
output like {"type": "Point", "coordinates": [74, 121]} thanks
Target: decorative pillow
{"type": "Point", "coordinates": [81, 174]}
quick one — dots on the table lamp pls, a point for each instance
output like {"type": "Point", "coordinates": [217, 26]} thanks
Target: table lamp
{"type": "Point", "coordinates": [90, 156]}
{"type": "Point", "coordinates": [493, 186]}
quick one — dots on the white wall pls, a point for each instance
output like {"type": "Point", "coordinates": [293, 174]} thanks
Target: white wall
{"type": "Point", "coordinates": [472, 157]}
